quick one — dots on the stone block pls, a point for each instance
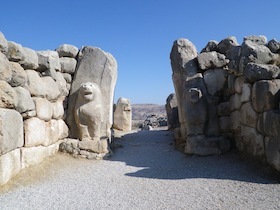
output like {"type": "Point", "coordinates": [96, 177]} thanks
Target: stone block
{"type": "Point", "coordinates": [94, 146]}
{"type": "Point", "coordinates": [44, 108]}
{"type": "Point", "coordinates": [25, 102]}
{"type": "Point", "coordinates": [272, 151]}
{"type": "Point", "coordinates": [68, 65]}
{"type": "Point", "coordinates": [58, 109]}
{"type": "Point", "coordinates": [253, 141]}
{"type": "Point", "coordinates": [211, 60]}
{"type": "Point", "coordinates": [52, 132]}
{"type": "Point", "coordinates": [35, 84]}
{"type": "Point", "coordinates": [231, 83]}
{"type": "Point", "coordinates": [19, 76]}
{"type": "Point", "coordinates": [224, 109]}
{"type": "Point", "coordinates": [62, 85]}
{"type": "Point", "coordinates": [248, 115]}
{"type": "Point", "coordinates": [15, 52]}
{"type": "Point", "coordinates": [238, 84]}
{"type": "Point", "coordinates": [30, 60]}
{"type": "Point", "coordinates": [3, 44]}
{"type": "Point", "coordinates": [215, 81]}
{"type": "Point", "coordinates": [269, 123]}
{"type": "Point", "coordinates": [201, 145]}
{"type": "Point", "coordinates": [34, 132]}
{"type": "Point", "coordinates": [48, 60]}
{"type": "Point", "coordinates": [235, 122]}
{"type": "Point", "coordinates": [266, 95]}
{"type": "Point", "coordinates": [63, 129]}
{"type": "Point", "coordinates": [226, 44]}
{"type": "Point", "coordinates": [67, 50]}
{"type": "Point", "coordinates": [224, 124]}
{"type": "Point", "coordinates": [235, 102]}
{"type": "Point", "coordinates": [10, 166]}
{"type": "Point", "coordinates": [11, 130]}
{"type": "Point", "coordinates": [5, 68]}
{"type": "Point", "coordinates": [67, 77]}
{"type": "Point", "coordinates": [246, 92]}
{"type": "Point", "coordinates": [254, 72]}
{"type": "Point", "coordinates": [52, 89]}
{"type": "Point", "coordinates": [8, 95]}
{"type": "Point", "coordinates": [35, 155]}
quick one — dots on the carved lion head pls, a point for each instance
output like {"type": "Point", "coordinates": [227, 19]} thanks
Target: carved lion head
{"type": "Point", "coordinates": [89, 91]}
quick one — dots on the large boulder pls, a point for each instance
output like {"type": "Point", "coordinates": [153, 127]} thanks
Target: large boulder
{"type": "Point", "coordinates": [8, 95]}
{"type": "Point", "coordinates": [248, 115]}
{"type": "Point", "coordinates": [44, 108]}
{"type": "Point", "coordinates": [67, 50]}
{"type": "Point", "coordinates": [68, 65]}
{"type": "Point", "coordinates": [15, 52]}
{"type": "Point", "coordinates": [171, 108]}
{"type": "Point", "coordinates": [35, 84]}
{"type": "Point", "coordinates": [215, 81]}
{"type": "Point", "coordinates": [25, 102]}
{"type": "Point", "coordinates": [123, 115]}
{"type": "Point", "coordinates": [227, 44]}
{"type": "Point", "coordinates": [266, 95]}
{"type": "Point", "coordinates": [34, 132]}
{"type": "Point", "coordinates": [10, 165]}
{"type": "Point", "coordinates": [52, 133]}
{"type": "Point", "coordinates": [99, 67]}
{"type": "Point", "coordinates": [19, 76]}
{"type": "Point", "coordinates": [274, 46]}
{"type": "Point", "coordinates": [62, 84]}
{"type": "Point", "coordinates": [211, 60]}
{"type": "Point", "coordinates": [48, 60]}
{"type": "Point", "coordinates": [255, 72]}
{"type": "Point", "coordinates": [212, 45]}
{"type": "Point", "coordinates": [58, 109]}
{"type": "Point", "coordinates": [11, 127]}
{"type": "Point", "coordinates": [51, 88]}
{"type": "Point", "coordinates": [269, 123]}
{"type": "Point", "coordinates": [3, 44]}
{"type": "Point", "coordinates": [5, 68]}
{"type": "Point", "coordinates": [30, 60]}
{"type": "Point", "coordinates": [272, 151]}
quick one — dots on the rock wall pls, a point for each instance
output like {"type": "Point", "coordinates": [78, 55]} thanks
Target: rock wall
{"type": "Point", "coordinates": [34, 90]}
{"type": "Point", "coordinates": [229, 91]}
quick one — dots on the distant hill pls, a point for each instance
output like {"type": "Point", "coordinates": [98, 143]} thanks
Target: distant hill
{"type": "Point", "coordinates": [141, 111]}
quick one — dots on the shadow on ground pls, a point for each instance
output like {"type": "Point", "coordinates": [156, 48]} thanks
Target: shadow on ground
{"type": "Point", "coordinates": [155, 155]}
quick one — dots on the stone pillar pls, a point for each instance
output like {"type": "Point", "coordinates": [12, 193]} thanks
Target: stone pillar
{"type": "Point", "coordinates": [123, 115]}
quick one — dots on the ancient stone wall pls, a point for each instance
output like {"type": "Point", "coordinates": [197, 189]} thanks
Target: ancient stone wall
{"type": "Point", "coordinates": [34, 90]}
{"type": "Point", "coordinates": [229, 92]}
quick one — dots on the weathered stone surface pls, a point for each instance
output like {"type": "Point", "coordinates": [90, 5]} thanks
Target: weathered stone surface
{"type": "Point", "coordinates": [58, 109]}
{"type": "Point", "coordinates": [28, 114]}
{"type": "Point", "coordinates": [8, 95]}
{"type": "Point", "coordinates": [30, 60]}
{"type": "Point", "coordinates": [246, 92]}
{"type": "Point", "coordinates": [171, 108]}
{"type": "Point", "coordinates": [5, 68]}
{"type": "Point", "coordinates": [259, 40]}
{"type": "Point", "coordinates": [212, 45]}
{"type": "Point", "coordinates": [34, 132]}
{"type": "Point", "coordinates": [11, 127]}
{"type": "Point", "coordinates": [254, 53]}
{"type": "Point", "coordinates": [52, 132]}
{"type": "Point", "coordinates": [123, 115]}
{"type": "Point", "coordinates": [68, 65]}
{"type": "Point", "coordinates": [40, 152]}
{"type": "Point", "coordinates": [231, 83]}
{"type": "Point", "coordinates": [201, 145]}
{"type": "Point", "coordinates": [50, 73]}
{"type": "Point", "coordinates": [266, 95]}
{"type": "Point", "coordinates": [248, 115]}
{"type": "Point", "coordinates": [212, 125]}
{"type": "Point", "coordinates": [3, 44]}
{"type": "Point", "coordinates": [269, 123]}
{"type": "Point", "coordinates": [235, 122]}
{"type": "Point", "coordinates": [63, 129]}
{"type": "Point", "coordinates": [255, 72]}
{"type": "Point", "coordinates": [97, 146]}
{"type": "Point", "coordinates": [48, 60]}
{"type": "Point", "coordinates": [235, 102]}
{"type": "Point", "coordinates": [62, 85]}
{"type": "Point", "coordinates": [238, 84]}
{"type": "Point", "coordinates": [99, 67]}
{"type": "Point", "coordinates": [51, 87]}
{"type": "Point", "coordinates": [25, 102]}
{"type": "Point", "coordinates": [215, 81]}
{"type": "Point", "coordinates": [44, 108]}
{"type": "Point", "coordinates": [70, 146]}
{"type": "Point", "coordinates": [226, 44]}
{"type": "Point", "coordinates": [272, 151]}
{"type": "Point", "coordinates": [224, 109]}
{"type": "Point", "coordinates": [67, 50]}
{"type": "Point", "coordinates": [19, 76]}
{"type": "Point", "coordinates": [224, 124]}
{"type": "Point", "coordinates": [211, 60]}
{"type": "Point", "coordinates": [88, 112]}
{"type": "Point", "coordinates": [34, 84]}
{"type": "Point", "coordinates": [10, 166]}
{"type": "Point", "coordinates": [15, 52]}
{"type": "Point", "coordinates": [67, 77]}
{"type": "Point", "coordinates": [274, 46]}
{"type": "Point", "coordinates": [253, 142]}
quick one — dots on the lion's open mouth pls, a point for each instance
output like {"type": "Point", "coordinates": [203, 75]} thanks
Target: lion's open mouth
{"type": "Point", "coordinates": [87, 93]}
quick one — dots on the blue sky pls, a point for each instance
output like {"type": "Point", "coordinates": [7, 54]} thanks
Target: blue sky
{"type": "Point", "coordinates": [139, 34]}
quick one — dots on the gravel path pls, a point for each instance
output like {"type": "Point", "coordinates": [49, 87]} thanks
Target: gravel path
{"type": "Point", "coordinates": [145, 173]}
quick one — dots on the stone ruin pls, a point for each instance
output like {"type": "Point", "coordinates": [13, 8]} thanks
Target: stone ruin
{"type": "Point", "coordinates": [228, 95]}
{"type": "Point", "coordinates": [123, 115]}
{"type": "Point", "coordinates": [46, 104]}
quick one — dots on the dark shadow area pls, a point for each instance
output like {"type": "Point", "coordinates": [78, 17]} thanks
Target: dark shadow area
{"type": "Point", "coordinates": [155, 154]}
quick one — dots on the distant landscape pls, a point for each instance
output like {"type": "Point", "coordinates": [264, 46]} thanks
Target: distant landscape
{"type": "Point", "coordinates": [141, 111]}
